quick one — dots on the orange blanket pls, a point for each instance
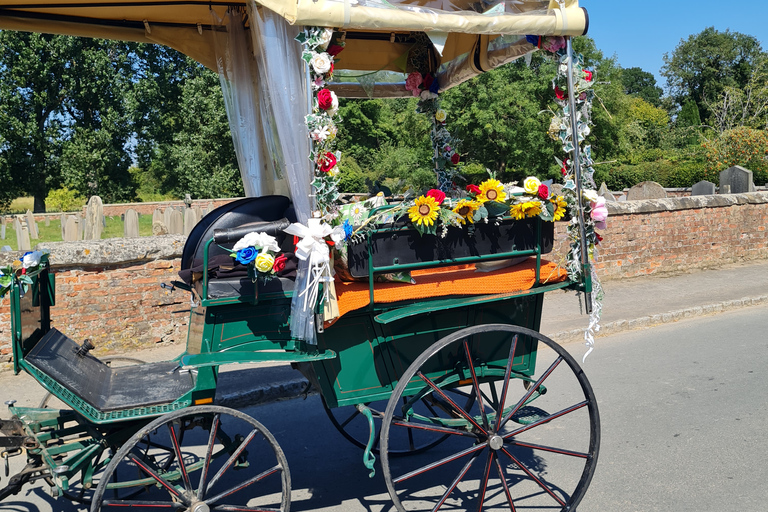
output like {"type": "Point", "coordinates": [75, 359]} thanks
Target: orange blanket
{"type": "Point", "coordinates": [447, 281]}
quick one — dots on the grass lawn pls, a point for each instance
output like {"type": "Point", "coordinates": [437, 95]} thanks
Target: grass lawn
{"type": "Point", "coordinates": [52, 232]}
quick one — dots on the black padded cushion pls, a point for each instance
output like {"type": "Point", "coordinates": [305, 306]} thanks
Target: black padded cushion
{"type": "Point", "coordinates": [104, 387]}
{"type": "Point", "coordinates": [234, 287]}
{"type": "Point", "coordinates": [236, 213]}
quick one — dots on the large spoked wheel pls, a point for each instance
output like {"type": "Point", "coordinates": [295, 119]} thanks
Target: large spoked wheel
{"type": "Point", "coordinates": [199, 459]}
{"type": "Point", "coordinates": [529, 442]}
{"type": "Point", "coordinates": [353, 424]}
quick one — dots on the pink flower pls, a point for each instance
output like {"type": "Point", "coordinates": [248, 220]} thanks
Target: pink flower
{"type": "Point", "coordinates": [587, 75]}
{"type": "Point", "coordinates": [413, 82]}
{"type": "Point", "coordinates": [324, 99]}
{"type": "Point", "coordinates": [543, 191]}
{"type": "Point", "coordinates": [437, 195]}
{"type": "Point", "coordinates": [559, 93]}
{"type": "Point", "coordinates": [599, 212]}
{"type": "Point", "coordinates": [552, 44]}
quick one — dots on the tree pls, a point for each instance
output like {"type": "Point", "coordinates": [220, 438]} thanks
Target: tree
{"type": "Point", "coordinates": [701, 67]}
{"type": "Point", "coordinates": [32, 86]}
{"type": "Point", "coordinates": [642, 84]}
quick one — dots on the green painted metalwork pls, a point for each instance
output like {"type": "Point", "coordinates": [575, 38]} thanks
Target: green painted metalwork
{"type": "Point", "coordinates": [369, 459]}
{"type": "Point", "coordinates": [220, 358]}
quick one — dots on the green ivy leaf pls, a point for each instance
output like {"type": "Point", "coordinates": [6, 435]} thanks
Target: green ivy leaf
{"type": "Point", "coordinates": [496, 209]}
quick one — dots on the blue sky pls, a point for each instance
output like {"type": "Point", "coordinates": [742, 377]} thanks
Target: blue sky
{"type": "Point", "coordinates": [639, 33]}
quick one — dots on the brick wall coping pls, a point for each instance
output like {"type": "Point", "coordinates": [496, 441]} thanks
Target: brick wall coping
{"type": "Point", "coordinates": [685, 203]}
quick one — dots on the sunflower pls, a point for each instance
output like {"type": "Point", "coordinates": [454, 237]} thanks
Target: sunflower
{"type": "Point", "coordinates": [466, 210]}
{"type": "Point", "coordinates": [531, 208]}
{"type": "Point", "coordinates": [491, 190]}
{"type": "Point", "coordinates": [424, 212]}
{"type": "Point", "coordinates": [516, 211]}
{"type": "Point", "coordinates": [560, 205]}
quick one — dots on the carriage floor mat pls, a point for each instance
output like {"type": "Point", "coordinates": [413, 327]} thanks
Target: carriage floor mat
{"type": "Point", "coordinates": [103, 387]}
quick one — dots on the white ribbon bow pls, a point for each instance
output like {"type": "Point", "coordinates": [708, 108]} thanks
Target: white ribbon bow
{"type": "Point", "coordinates": [312, 248]}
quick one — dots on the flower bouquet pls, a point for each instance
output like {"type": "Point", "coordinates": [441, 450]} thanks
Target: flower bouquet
{"type": "Point", "coordinates": [20, 271]}
{"type": "Point", "coordinates": [260, 252]}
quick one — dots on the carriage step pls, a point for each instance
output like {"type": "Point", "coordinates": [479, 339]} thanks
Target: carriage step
{"type": "Point", "coordinates": [527, 415]}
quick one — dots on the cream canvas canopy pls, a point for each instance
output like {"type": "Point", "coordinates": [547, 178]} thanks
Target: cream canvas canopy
{"type": "Point", "coordinates": [377, 32]}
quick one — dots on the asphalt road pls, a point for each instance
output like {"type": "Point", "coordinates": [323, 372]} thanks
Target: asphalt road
{"type": "Point", "coordinates": [683, 411]}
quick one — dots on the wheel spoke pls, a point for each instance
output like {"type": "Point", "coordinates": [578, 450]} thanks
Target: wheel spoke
{"type": "Point", "coordinates": [530, 392]}
{"type": "Point", "coordinates": [139, 504]}
{"type": "Point", "coordinates": [437, 464]}
{"type": "Point", "coordinates": [476, 385]}
{"type": "Point", "coordinates": [484, 482]}
{"type": "Point", "coordinates": [352, 416]}
{"type": "Point", "coordinates": [215, 422]}
{"type": "Point", "coordinates": [547, 419]}
{"type": "Point", "coordinates": [504, 483]}
{"type": "Point", "coordinates": [458, 409]}
{"type": "Point", "coordinates": [179, 457]}
{"type": "Point", "coordinates": [260, 476]}
{"type": "Point", "coordinates": [231, 459]}
{"type": "Point", "coordinates": [533, 477]}
{"type": "Point", "coordinates": [149, 471]}
{"type": "Point", "coordinates": [549, 449]}
{"type": "Point", "coordinates": [432, 428]}
{"type": "Point", "coordinates": [505, 386]}
{"type": "Point", "coordinates": [455, 482]}
{"type": "Point", "coordinates": [235, 508]}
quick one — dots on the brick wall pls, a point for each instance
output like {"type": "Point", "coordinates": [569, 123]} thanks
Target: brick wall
{"type": "Point", "coordinates": [109, 290]}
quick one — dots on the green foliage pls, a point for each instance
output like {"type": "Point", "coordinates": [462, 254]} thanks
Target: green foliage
{"type": "Point", "coordinates": [642, 84]}
{"type": "Point", "coordinates": [352, 177]}
{"type": "Point", "coordinates": [64, 200]}
{"type": "Point", "coordinates": [746, 147]}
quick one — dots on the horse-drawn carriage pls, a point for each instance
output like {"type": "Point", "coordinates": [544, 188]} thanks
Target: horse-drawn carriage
{"type": "Point", "coordinates": [463, 400]}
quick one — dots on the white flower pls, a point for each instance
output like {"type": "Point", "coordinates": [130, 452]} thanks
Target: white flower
{"type": "Point", "coordinates": [320, 133]}
{"type": "Point", "coordinates": [339, 236]}
{"type": "Point", "coordinates": [261, 241]}
{"type": "Point", "coordinates": [334, 171]}
{"type": "Point", "coordinates": [325, 38]}
{"type": "Point", "coordinates": [31, 259]}
{"type": "Point", "coordinates": [590, 195]}
{"type": "Point", "coordinates": [334, 103]}
{"type": "Point", "coordinates": [357, 213]}
{"type": "Point", "coordinates": [426, 95]}
{"type": "Point", "coordinates": [321, 63]}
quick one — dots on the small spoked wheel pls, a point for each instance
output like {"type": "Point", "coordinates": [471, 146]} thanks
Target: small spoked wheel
{"type": "Point", "coordinates": [198, 459]}
{"type": "Point", "coordinates": [515, 447]}
{"type": "Point", "coordinates": [353, 424]}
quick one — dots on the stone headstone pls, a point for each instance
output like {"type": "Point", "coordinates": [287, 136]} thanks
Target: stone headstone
{"type": "Point", "coordinates": [198, 212]}
{"type": "Point", "coordinates": [47, 221]}
{"type": "Point", "coordinates": [22, 237]}
{"type": "Point", "coordinates": [208, 209]}
{"type": "Point", "coordinates": [176, 225]}
{"type": "Point", "coordinates": [739, 179]}
{"type": "Point", "coordinates": [63, 222]}
{"type": "Point", "coordinates": [646, 190]}
{"type": "Point", "coordinates": [157, 215]}
{"type": "Point", "coordinates": [2, 228]}
{"type": "Point", "coordinates": [190, 219]}
{"type": "Point", "coordinates": [17, 225]}
{"type": "Point", "coordinates": [159, 228]}
{"type": "Point", "coordinates": [622, 198]}
{"type": "Point", "coordinates": [131, 224]}
{"type": "Point", "coordinates": [167, 215]}
{"type": "Point", "coordinates": [32, 226]}
{"type": "Point", "coordinates": [94, 219]}
{"type": "Point", "coordinates": [703, 188]}
{"type": "Point", "coordinates": [72, 229]}
{"type": "Point", "coordinates": [607, 194]}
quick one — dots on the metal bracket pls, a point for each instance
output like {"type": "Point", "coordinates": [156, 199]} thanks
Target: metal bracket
{"type": "Point", "coordinates": [369, 459]}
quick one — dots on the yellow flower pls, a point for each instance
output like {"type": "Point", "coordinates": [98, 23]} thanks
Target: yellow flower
{"type": "Point", "coordinates": [531, 208]}
{"type": "Point", "coordinates": [531, 185]}
{"type": "Point", "coordinates": [440, 115]}
{"type": "Point", "coordinates": [516, 211]}
{"type": "Point", "coordinates": [466, 209]}
{"type": "Point", "coordinates": [424, 212]}
{"type": "Point", "coordinates": [491, 190]}
{"type": "Point", "coordinates": [264, 262]}
{"type": "Point", "coordinates": [560, 205]}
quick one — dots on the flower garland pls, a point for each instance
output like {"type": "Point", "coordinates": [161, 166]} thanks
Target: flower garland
{"type": "Point", "coordinates": [319, 54]}
{"type": "Point", "coordinates": [560, 129]}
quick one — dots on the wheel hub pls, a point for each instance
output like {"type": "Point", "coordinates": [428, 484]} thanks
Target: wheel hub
{"type": "Point", "coordinates": [199, 506]}
{"type": "Point", "coordinates": [495, 441]}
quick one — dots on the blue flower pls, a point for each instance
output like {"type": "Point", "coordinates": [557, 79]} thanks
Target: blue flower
{"type": "Point", "coordinates": [247, 255]}
{"type": "Point", "coordinates": [534, 40]}
{"type": "Point", "coordinates": [348, 229]}
{"type": "Point", "coordinates": [434, 87]}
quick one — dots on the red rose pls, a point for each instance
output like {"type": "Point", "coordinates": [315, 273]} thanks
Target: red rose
{"type": "Point", "coordinates": [543, 191]}
{"type": "Point", "coordinates": [559, 93]}
{"type": "Point", "coordinates": [279, 263]}
{"type": "Point", "coordinates": [438, 195]}
{"type": "Point", "coordinates": [330, 71]}
{"type": "Point", "coordinates": [455, 158]}
{"type": "Point", "coordinates": [473, 189]}
{"type": "Point", "coordinates": [327, 162]}
{"type": "Point", "coordinates": [563, 171]}
{"type": "Point", "coordinates": [334, 50]}
{"type": "Point", "coordinates": [428, 79]}
{"type": "Point", "coordinates": [587, 75]}
{"type": "Point", "coordinates": [324, 99]}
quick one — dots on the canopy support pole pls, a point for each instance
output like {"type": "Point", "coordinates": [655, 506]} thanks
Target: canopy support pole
{"type": "Point", "coordinates": [584, 252]}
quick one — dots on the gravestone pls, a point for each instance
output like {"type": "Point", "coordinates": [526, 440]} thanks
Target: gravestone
{"type": "Point", "coordinates": [17, 225]}
{"type": "Point", "coordinates": [176, 224]}
{"type": "Point", "coordinates": [22, 238]}
{"type": "Point", "coordinates": [131, 224]}
{"type": "Point", "coordinates": [738, 178]}
{"type": "Point", "coordinates": [94, 219]}
{"type": "Point", "coordinates": [703, 188]}
{"type": "Point", "coordinates": [198, 212]}
{"type": "Point", "coordinates": [63, 222]}
{"type": "Point", "coordinates": [47, 221]}
{"type": "Point", "coordinates": [157, 215]}
{"type": "Point", "coordinates": [72, 229]}
{"type": "Point", "coordinates": [167, 215]}
{"type": "Point", "coordinates": [159, 228]}
{"type": "Point", "coordinates": [190, 219]}
{"type": "Point", "coordinates": [646, 190]}
{"type": "Point", "coordinates": [208, 209]}
{"type": "Point", "coordinates": [607, 194]}
{"type": "Point", "coordinates": [2, 228]}
{"type": "Point", "coordinates": [32, 226]}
